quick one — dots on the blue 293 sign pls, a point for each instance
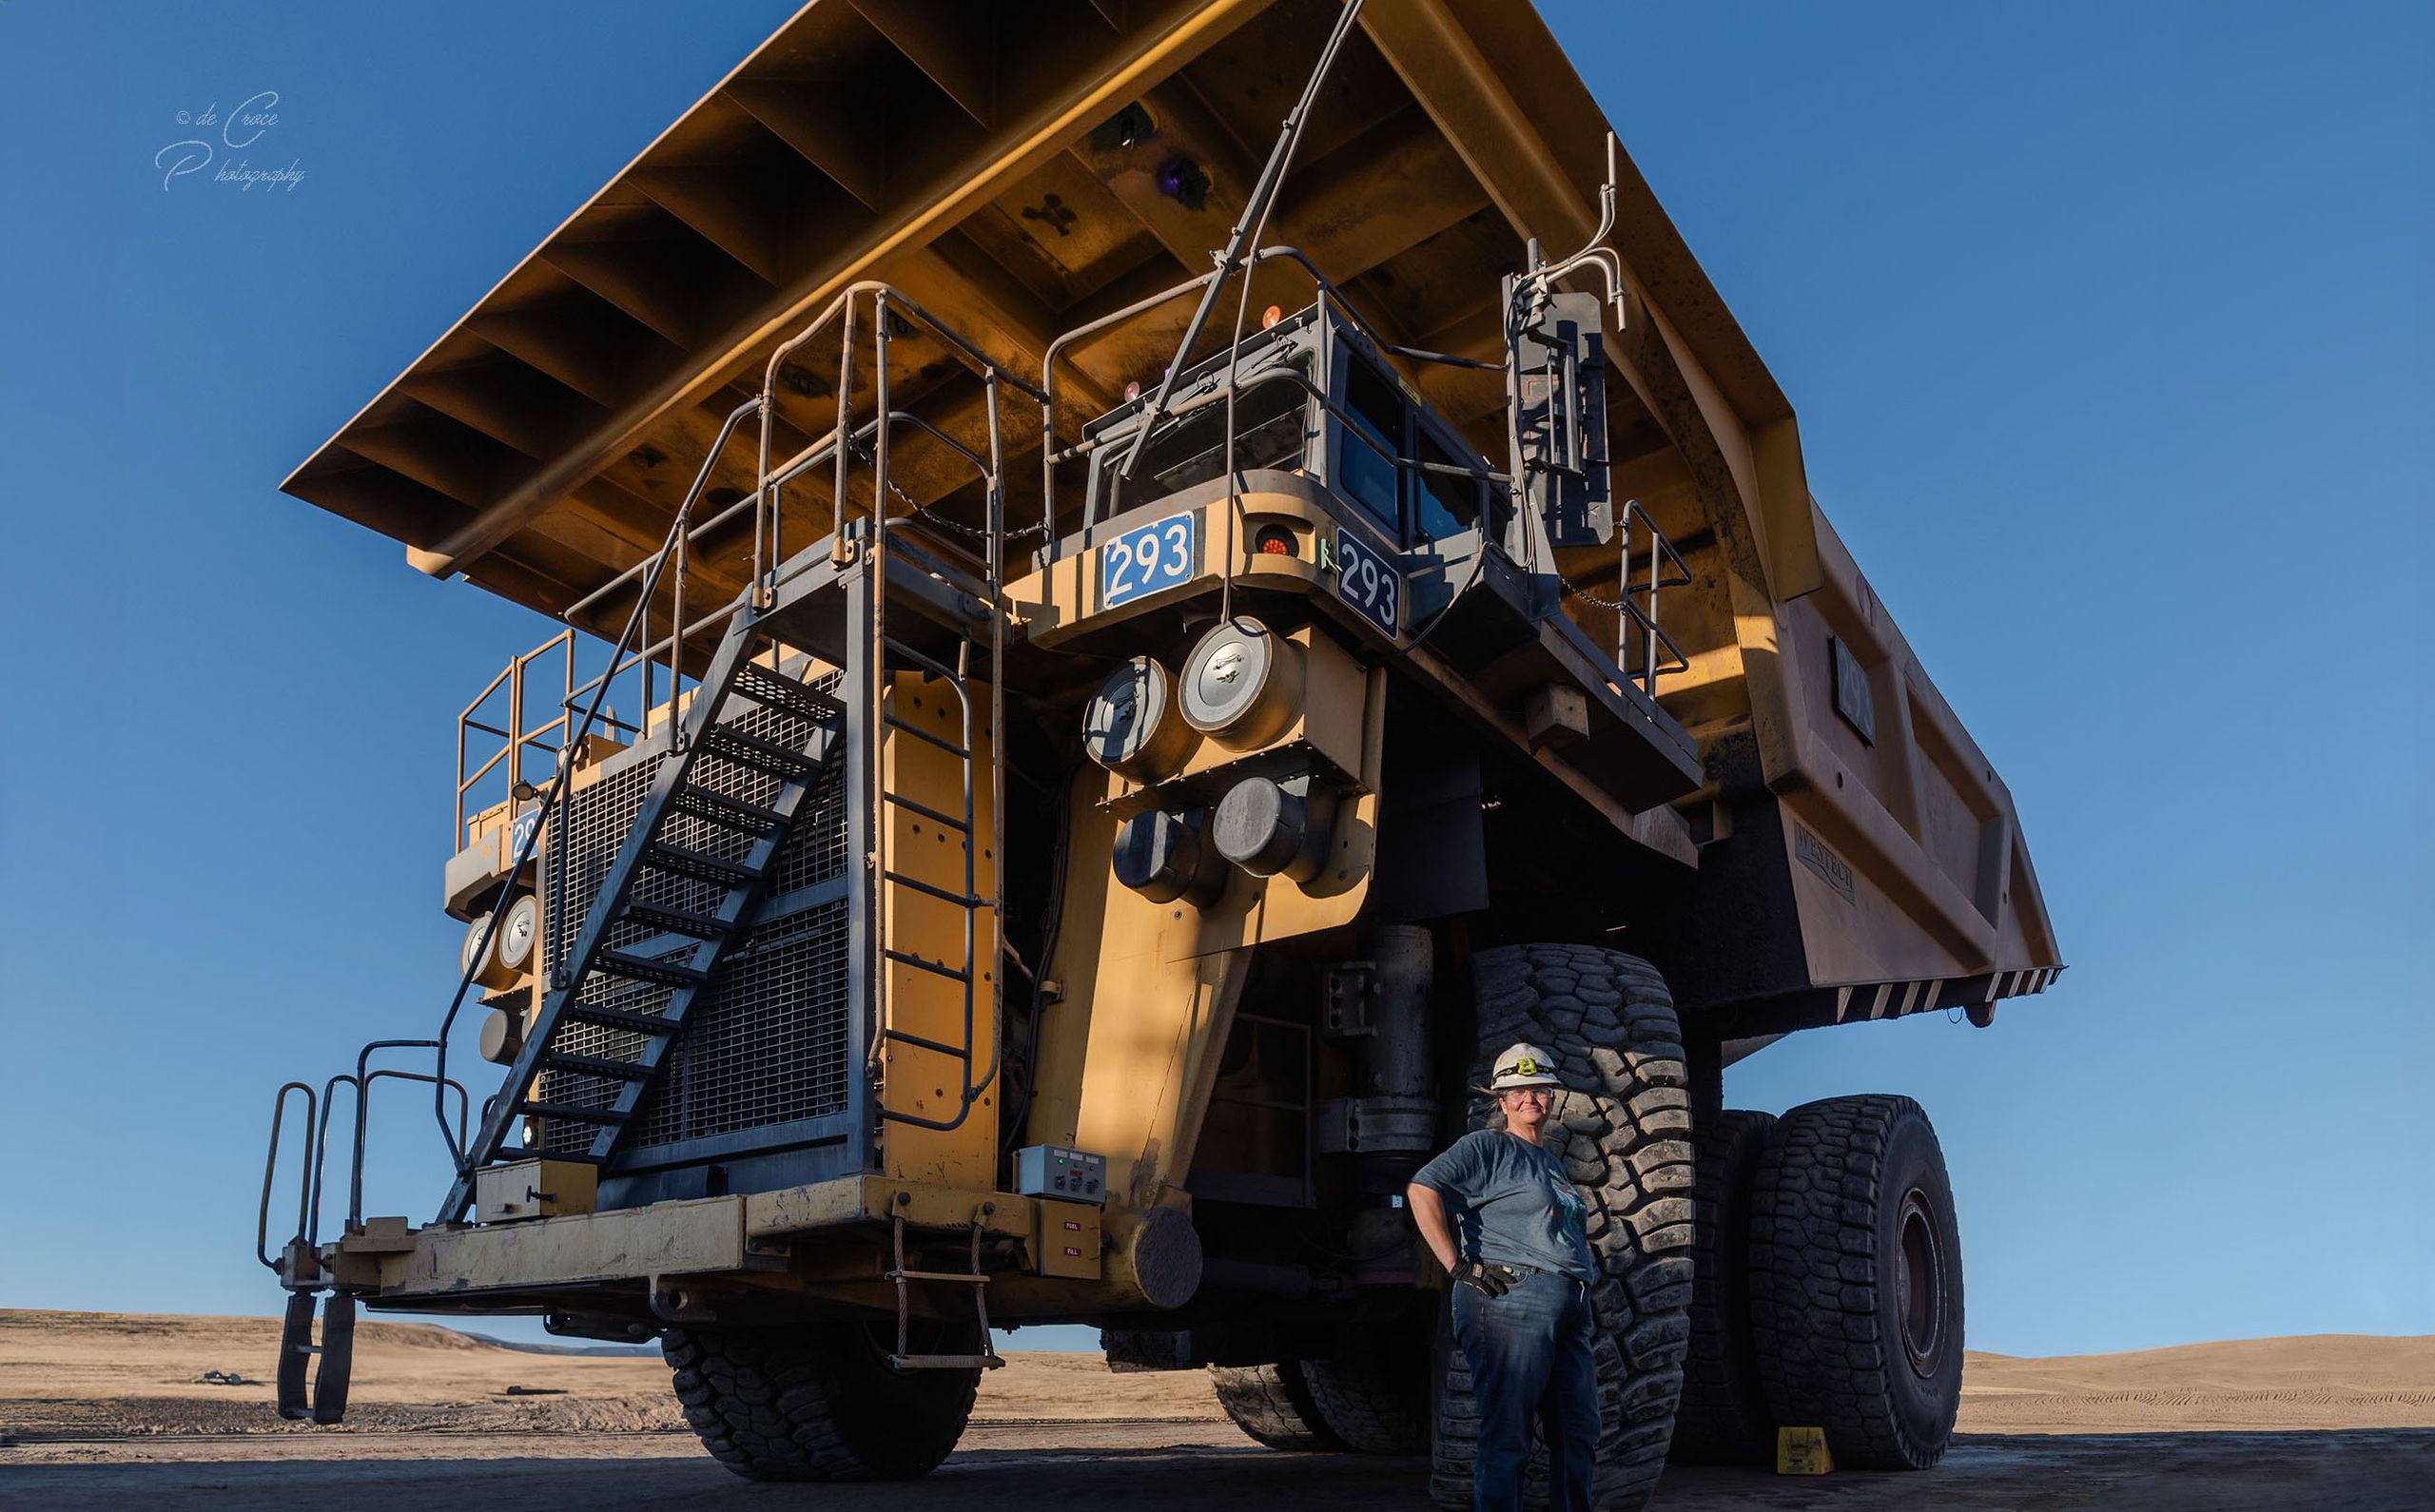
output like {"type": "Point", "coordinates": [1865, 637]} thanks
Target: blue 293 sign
{"type": "Point", "coordinates": [1368, 582]}
{"type": "Point", "coordinates": [1146, 559]}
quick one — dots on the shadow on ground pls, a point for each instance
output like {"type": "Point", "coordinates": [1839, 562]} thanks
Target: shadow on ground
{"type": "Point", "coordinates": [2367, 1469]}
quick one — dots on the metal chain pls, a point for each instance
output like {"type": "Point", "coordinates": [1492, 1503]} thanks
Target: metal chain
{"type": "Point", "coordinates": [1619, 606]}
{"type": "Point", "coordinates": [923, 512]}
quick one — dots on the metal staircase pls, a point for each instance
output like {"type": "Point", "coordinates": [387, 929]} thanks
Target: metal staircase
{"type": "Point", "coordinates": [629, 939]}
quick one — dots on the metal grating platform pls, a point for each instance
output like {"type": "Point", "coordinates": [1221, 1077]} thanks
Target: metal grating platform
{"type": "Point", "coordinates": [767, 1044]}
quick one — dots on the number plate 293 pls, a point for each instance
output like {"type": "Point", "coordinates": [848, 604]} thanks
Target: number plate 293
{"type": "Point", "coordinates": [1369, 582]}
{"type": "Point", "coordinates": [1146, 559]}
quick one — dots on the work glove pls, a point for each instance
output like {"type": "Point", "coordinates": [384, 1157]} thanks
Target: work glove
{"type": "Point", "coordinates": [1489, 1280]}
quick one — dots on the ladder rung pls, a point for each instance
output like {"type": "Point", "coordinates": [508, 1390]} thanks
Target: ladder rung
{"type": "Point", "coordinates": [619, 1019]}
{"type": "Point", "coordinates": [906, 1036]}
{"type": "Point", "coordinates": [928, 662]}
{"type": "Point", "coordinates": [757, 753]}
{"type": "Point", "coordinates": [964, 901]}
{"type": "Point", "coordinates": [926, 813]}
{"type": "Point", "coordinates": [571, 1114]}
{"type": "Point", "coordinates": [935, 1275]}
{"type": "Point", "coordinates": [639, 968]}
{"type": "Point", "coordinates": [951, 973]}
{"type": "Point", "coordinates": [720, 810]}
{"type": "Point", "coordinates": [765, 686]}
{"type": "Point", "coordinates": [940, 741]}
{"type": "Point", "coordinates": [944, 1362]}
{"type": "Point", "coordinates": [682, 922]}
{"type": "Point", "coordinates": [596, 1066]}
{"type": "Point", "coordinates": [698, 864]}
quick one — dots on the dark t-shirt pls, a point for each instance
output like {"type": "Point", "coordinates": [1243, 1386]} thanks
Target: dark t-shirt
{"type": "Point", "coordinates": [1513, 1204]}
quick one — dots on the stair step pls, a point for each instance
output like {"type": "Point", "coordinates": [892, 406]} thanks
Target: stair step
{"type": "Point", "coordinates": [760, 755]}
{"type": "Point", "coordinates": [569, 1112]}
{"type": "Point", "coordinates": [506, 1153]}
{"type": "Point", "coordinates": [946, 1362]}
{"type": "Point", "coordinates": [698, 864]}
{"type": "Point", "coordinates": [718, 809]}
{"type": "Point", "coordinates": [766, 685]}
{"type": "Point", "coordinates": [619, 1019]}
{"type": "Point", "coordinates": [596, 1066]}
{"type": "Point", "coordinates": [641, 968]}
{"type": "Point", "coordinates": [681, 922]}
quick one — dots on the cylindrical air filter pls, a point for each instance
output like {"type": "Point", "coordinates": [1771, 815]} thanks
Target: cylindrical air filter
{"type": "Point", "coordinates": [1132, 726]}
{"type": "Point", "coordinates": [1243, 684]}
{"type": "Point", "coordinates": [483, 965]}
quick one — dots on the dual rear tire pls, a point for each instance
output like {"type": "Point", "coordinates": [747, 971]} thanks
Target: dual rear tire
{"type": "Point", "coordinates": [1829, 1288]}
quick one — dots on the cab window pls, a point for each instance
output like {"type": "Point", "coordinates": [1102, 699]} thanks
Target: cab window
{"type": "Point", "coordinates": [1366, 470]}
{"type": "Point", "coordinates": [1449, 503]}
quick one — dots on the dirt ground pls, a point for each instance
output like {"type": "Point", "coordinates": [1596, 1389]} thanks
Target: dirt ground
{"type": "Point", "coordinates": [107, 1411]}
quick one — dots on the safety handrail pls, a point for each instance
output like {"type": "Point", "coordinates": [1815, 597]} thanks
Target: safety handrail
{"type": "Point", "coordinates": [516, 739]}
{"type": "Point", "coordinates": [1636, 606]}
{"type": "Point", "coordinates": [970, 1087]}
{"type": "Point", "coordinates": [561, 781]}
{"type": "Point", "coordinates": [1050, 453]}
{"type": "Point", "coordinates": [271, 1169]}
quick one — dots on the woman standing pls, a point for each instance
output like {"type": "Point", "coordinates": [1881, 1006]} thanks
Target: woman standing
{"type": "Point", "coordinates": [1522, 1313]}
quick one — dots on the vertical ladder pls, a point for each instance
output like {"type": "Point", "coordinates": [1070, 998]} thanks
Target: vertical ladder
{"type": "Point", "coordinates": [702, 936]}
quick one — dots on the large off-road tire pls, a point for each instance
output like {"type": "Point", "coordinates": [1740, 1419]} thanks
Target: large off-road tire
{"type": "Point", "coordinates": [818, 1403]}
{"type": "Point", "coordinates": [1724, 1416]}
{"type": "Point", "coordinates": [1375, 1398]}
{"type": "Point", "coordinates": [1856, 1280]}
{"type": "Point", "coordinates": [1626, 1126]}
{"type": "Point", "coordinates": [1273, 1403]}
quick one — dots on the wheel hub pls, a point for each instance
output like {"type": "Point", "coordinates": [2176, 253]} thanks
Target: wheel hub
{"type": "Point", "coordinates": [1919, 1283]}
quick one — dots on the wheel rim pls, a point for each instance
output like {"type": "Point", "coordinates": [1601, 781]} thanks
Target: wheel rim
{"type": "Point", "coordinates": [1919, 1283]}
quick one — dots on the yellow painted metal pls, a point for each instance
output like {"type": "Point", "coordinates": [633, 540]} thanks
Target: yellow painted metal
{"type": "Point", "coordinates": [1128, 1050]}
{"type": "Point", "coordinates": [874, 1199]}
{"type": "Point", "coordinates": [700, 1237]}
{"type": "Point", "coordinates": [1337, 721]}
{"type": "Point", "coordinates": [1066, 1240]}
{"type": "Point", "coordinates": [915, 1079]}
{"type": "Point", "coordinates": [525, 1190]}
{"type": "Point", "coordinates": [1062, 599]}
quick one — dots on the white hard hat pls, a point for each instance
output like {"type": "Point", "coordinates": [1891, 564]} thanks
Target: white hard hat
{"type": "Point", "coordinates": [1523, 1064]}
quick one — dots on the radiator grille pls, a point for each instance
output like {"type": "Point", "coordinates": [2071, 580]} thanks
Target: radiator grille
{"type": "Point", "coordinates": [766, 1042]}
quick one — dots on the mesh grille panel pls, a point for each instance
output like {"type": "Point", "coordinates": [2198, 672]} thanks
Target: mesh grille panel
{"type": "Point", "coordinates": [766, 1043]}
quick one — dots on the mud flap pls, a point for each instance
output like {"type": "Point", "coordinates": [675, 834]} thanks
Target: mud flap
{"type": "Point", "coordinates": [295, 1347]}
{"type": "Point", "coordinates": [337, 1360]}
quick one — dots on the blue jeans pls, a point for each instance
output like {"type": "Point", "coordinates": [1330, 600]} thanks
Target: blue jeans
{"type": "Point", "coordinates": [1530, 1355]}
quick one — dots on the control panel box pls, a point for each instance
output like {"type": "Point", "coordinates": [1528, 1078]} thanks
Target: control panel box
{"type": "Point", "coordinates": [1053, 1171]}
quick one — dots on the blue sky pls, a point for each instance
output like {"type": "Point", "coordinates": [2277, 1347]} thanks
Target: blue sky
{"type": "Point", "coordinates": [2110, 333]}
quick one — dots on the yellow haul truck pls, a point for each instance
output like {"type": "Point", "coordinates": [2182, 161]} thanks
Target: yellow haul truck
{"type": "Point", "coordinates": [1096, 746]}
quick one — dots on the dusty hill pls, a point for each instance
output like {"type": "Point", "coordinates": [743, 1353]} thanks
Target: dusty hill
{"type": "Point", "coordinates": [107, 1372]}
{"type": "Point", "coordinates": [120, 1373]}
{"type": "Point", "coordinates": [2315, 1381]}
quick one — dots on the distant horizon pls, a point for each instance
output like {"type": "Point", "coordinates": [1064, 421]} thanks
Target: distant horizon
{"type": "Point", "coordinates": [1021, 1339]}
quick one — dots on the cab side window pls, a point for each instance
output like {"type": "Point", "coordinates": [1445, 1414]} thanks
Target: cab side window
{"type": "Point", "coordinates": [1449, 502]}
{"type": "Point", "coordinates": [1366, 470]}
